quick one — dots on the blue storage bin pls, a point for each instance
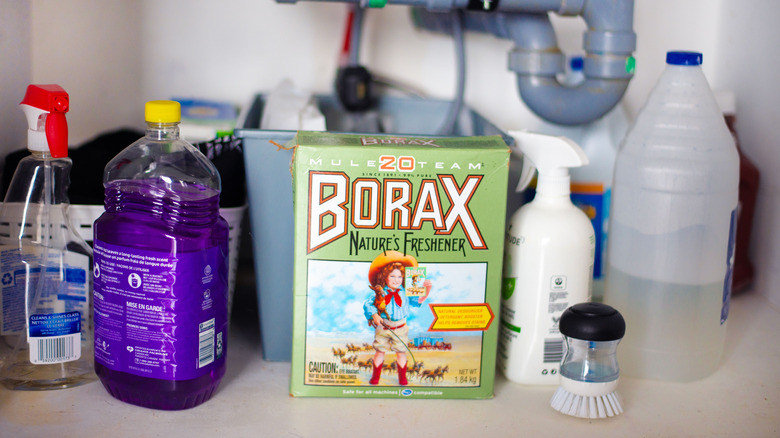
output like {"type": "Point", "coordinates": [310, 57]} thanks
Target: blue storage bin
{"type": "Point", "coordinates": [269, 187]}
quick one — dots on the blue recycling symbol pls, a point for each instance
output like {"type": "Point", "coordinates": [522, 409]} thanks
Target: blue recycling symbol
{"type": "Point", "coordinates": [7, 279]}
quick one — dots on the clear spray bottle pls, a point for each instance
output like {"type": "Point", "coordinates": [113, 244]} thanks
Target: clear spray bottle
{"type": "Point", "coordinates": [45, 267]}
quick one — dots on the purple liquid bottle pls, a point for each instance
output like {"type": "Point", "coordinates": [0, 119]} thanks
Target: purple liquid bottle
{"type": "Point", "coordinates": [161, 271]}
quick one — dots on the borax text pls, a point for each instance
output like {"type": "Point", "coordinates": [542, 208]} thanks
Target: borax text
{"type": "Point", "coordinates": [390, 204]}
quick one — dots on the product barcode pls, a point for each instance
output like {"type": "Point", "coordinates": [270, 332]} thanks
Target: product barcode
{"type": "Point", "coordinates": [206, 344]}
{"type": "Point", "coordinates": [553, 350]}
{"type": "Point", "coordinates": [56, 349]}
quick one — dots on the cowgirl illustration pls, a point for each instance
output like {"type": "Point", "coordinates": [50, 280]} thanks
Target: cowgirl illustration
{"type": "Point", "coordinates": [387, 308]}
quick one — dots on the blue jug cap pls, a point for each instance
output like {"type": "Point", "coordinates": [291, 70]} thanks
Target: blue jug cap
{"type": "Point", "coordinates": [683, 58]}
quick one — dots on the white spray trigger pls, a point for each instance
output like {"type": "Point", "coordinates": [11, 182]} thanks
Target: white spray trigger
{"type": "Point", "coordinates": [552, 156]}
{"type": "Point", "coordinates": [526, 175]}
{"type": "Point", "coordinates": [36, 131]}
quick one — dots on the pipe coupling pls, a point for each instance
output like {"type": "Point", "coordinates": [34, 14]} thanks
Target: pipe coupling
{"type": "Point", "coordinates": [609, 41]}
{"type": "Point", "coordinates": [571, 7]}
{"type": "Point", "coordinates": [548, 62]}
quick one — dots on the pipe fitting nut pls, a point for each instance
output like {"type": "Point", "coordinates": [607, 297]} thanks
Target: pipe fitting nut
{"type": "Point", "coordinates": [607, 67]}
{"type": "Point", "coordinates": [571, 7]}
{"type": "Point", "coordinates": [542, 63]}
{"type": "Point", "coordinates": [623, 42]}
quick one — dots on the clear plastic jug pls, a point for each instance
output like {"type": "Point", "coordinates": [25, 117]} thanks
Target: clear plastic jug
{"type": "Point", "coordinates": [672, 228]}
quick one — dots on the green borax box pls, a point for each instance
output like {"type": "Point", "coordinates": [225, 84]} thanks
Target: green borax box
{"type": "Point", "coordinates": [398, 256]}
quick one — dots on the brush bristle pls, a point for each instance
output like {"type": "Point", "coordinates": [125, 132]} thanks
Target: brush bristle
{"type": "Point", "coordinates": [586, 406]}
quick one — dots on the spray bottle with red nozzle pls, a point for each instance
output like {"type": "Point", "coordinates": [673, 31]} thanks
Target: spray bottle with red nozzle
{"type": "Point", "coordinates": [45, 266]}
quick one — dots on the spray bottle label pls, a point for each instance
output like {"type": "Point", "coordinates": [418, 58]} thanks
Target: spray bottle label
{"type": "Point", "coordinates": [63, 294]}
{"type": "Point", "coordinates": [55, 337]}
{"type": "Point", "coordinates": [548, 352]}
{"type": "Point", "coordinates": [160, 315]}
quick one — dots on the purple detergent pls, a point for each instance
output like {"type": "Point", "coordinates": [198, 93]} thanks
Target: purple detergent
{"type": "Point", "coordinates": [160, 278]}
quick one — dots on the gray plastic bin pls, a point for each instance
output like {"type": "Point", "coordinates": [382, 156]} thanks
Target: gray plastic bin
{"type": "Point", "coordinates": [269, 187]}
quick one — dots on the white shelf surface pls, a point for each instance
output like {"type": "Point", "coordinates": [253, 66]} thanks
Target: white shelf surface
{"type": "Point", "coordinates": [742, 399]}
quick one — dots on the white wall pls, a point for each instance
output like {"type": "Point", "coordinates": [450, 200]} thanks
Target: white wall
{"type": "Point", "coordinates": [92, 48]}
{"type": "Point", "coordinates": [112, 55]}
{"type": "Point", "coordinates": [14, 71]}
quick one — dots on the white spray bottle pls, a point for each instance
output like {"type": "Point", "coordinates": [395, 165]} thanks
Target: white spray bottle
{"type": "Point", "coordinates": [548, 261]}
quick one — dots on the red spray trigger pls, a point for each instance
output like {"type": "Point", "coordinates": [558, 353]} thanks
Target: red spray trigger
{"type": "Point", "coordinates": [57, 134]}
{"type": "Point", "coordinates": [55, 100]}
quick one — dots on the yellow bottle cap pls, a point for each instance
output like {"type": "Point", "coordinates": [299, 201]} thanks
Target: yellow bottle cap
{"type": "Point", "coordinates": [163, 111]}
